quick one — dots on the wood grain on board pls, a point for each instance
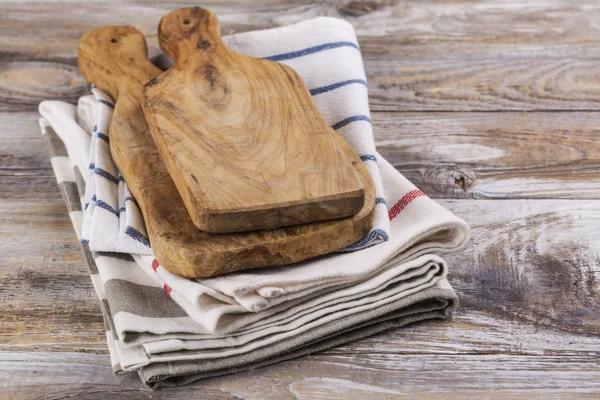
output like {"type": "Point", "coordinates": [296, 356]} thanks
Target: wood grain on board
{"type": "Point", "coordinates": [241, 137]}
{"type": "Point", "coordinates": [527, 182]}
{"type": "Point", "coordinates": [178, 245]}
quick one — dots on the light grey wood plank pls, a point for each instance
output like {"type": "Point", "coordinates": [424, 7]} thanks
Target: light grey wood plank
{"type": "Point", "coordinates": [530, 313]}
{"type": "Point", "coordinates": [534, 260]}
{"type": "Point", "coordinates": [22, 147]}
{"type": "Point", "coordinates": [447, 155]}
{"type": "Point", "coordinates": [418, 56]}
{"type": "Point", "coordinates": [529, 325]}
{"type": "Point", "coordinates": [382, 376]}
{"type": "Point", "coordinates": [494, 155]}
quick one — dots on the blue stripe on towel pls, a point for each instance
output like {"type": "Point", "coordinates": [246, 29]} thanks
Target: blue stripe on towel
{"type": "Point", "coordinates": [137, 235]}
{"type": "Point", "coordinates": [380, 200]}
{"type": "Point", "coordinates": [376, 235]}
{"type": "Point", "coordinates": [102, 136]}
{"type": "Point", "coordinates": [311, 50]}
{"type": "Point", "coordinates": [102, 101]}
{"type": "Point", "coordinates": [368, 157]}
{"type": "Point", "coordinates": [85, 207]}
{"type": "Point", "coordinates": [349, 120]}
{"type": "Point", "coordinates": [104, 174]}
{"type": "Point", "coordinates": [107, 207]}
{"type": "Point", "coordinates": [334, 86]}
{"type": "Point", "coordinates": [128, 198]}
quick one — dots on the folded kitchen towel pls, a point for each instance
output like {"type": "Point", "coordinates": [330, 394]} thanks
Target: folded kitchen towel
{"type": "Point", "coordinates": [432, 303]}
{"type": "Point", "coordinates": [174, 330]}
{"type": "Point", "coordinates": [418, 227]}
{"type": "Point", "coordinates": [321, 51]}
{"type": "Point", "coordinates": [167, 348]}
{"type": "Point", "coordinates": [110, 219]}
{"type": "Point", "coordinates": [120, 285]}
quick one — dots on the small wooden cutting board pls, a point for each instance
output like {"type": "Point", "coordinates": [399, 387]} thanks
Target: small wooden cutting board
{"type": "Point", "coordinates": [241, 136]}
{"type": "Point", "coordinates": [114, 58]}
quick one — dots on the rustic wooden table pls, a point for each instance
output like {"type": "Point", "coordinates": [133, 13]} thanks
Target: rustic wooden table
{"type": "Point", "coordinates": [492, 108]}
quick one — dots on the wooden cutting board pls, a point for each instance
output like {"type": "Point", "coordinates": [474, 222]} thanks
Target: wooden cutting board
{"type": "Point", "coordinates": [241, 137]}
{"type": "Point", "coordinates": [115, 59]}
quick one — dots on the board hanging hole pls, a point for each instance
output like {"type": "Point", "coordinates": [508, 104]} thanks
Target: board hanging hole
{"type": "Point", "coordinates": [186, 21]}
{"type": "Point", "coordinates": [113, 40]}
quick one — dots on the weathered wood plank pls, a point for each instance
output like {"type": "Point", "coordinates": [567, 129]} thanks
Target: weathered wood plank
{"type": "Point", "coordinates": [27, 184]}
{"type": "Point", "coordinates": [520, 84]}
{"type": "Point", "coordinates": [46, 290]}
{"type": "Point", "coordinates": [22, 146]}
{"type": "Point", "coordinates": [532, 270]}
{"type": "Point", "coordinates": [24, 84]}
{"type": "Point", "coordinates": [447, 155]}
{"type": "Point", "coordinates": [322, 376]}
{"type": "Point", "coordinates": [55, 27]}
{"type": "Point", "coordinates": [418, 56]}
{"type": "Point", "coordinates": [476, 331]}
{"type": "Point", "coordinates": [494, 155]}
{"type": "Point", "coordinates": [535, 260]}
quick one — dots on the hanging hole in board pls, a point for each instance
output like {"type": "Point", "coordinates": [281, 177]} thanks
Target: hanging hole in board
{"type": "Point", "coordinates": [113, 40]}
{"type": "Point", "coordinates": [186, 21]}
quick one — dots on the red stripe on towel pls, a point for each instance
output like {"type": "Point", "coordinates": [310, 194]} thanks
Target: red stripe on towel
{"type": "Point", "coordinates": [403, 202]}
{"type": "Point", "coordinates": [155, 264]}
{"type": "Point", "coordinates": [167, 289]}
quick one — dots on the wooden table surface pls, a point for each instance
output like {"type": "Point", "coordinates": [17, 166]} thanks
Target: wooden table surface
{"type": "Point", "coordinates": [490, 107]}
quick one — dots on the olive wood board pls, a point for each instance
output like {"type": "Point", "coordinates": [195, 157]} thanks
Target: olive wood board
{"type": "Point", "coordinates": [114, 58]}
{"type": "Point", "coordinates": [241, 136]}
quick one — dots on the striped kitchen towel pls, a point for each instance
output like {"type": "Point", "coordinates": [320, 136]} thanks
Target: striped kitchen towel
{"type": "Point", "coordinates": [324, 52]}
{"type": "Point", "coordinates": [149, 333]}
{"type": "Point", "coordinates": [173, 330]}
{"type": "Point", "coordinates": [418, 225]}
{"type": "Point", "coordinates": [110, 219]}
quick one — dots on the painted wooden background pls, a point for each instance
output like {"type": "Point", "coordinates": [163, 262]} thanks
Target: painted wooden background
{"type": "Point", "coordinates": [491, 107]}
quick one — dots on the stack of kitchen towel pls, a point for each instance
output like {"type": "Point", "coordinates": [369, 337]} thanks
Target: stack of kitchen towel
{"type": "Point", "coordinates": [173, 330]}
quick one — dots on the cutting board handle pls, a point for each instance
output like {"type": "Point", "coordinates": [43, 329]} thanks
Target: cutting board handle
{"type": "Point", "coordinates": [114, 58]}
{"type": "Point", "coordinates": [190, 32]}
